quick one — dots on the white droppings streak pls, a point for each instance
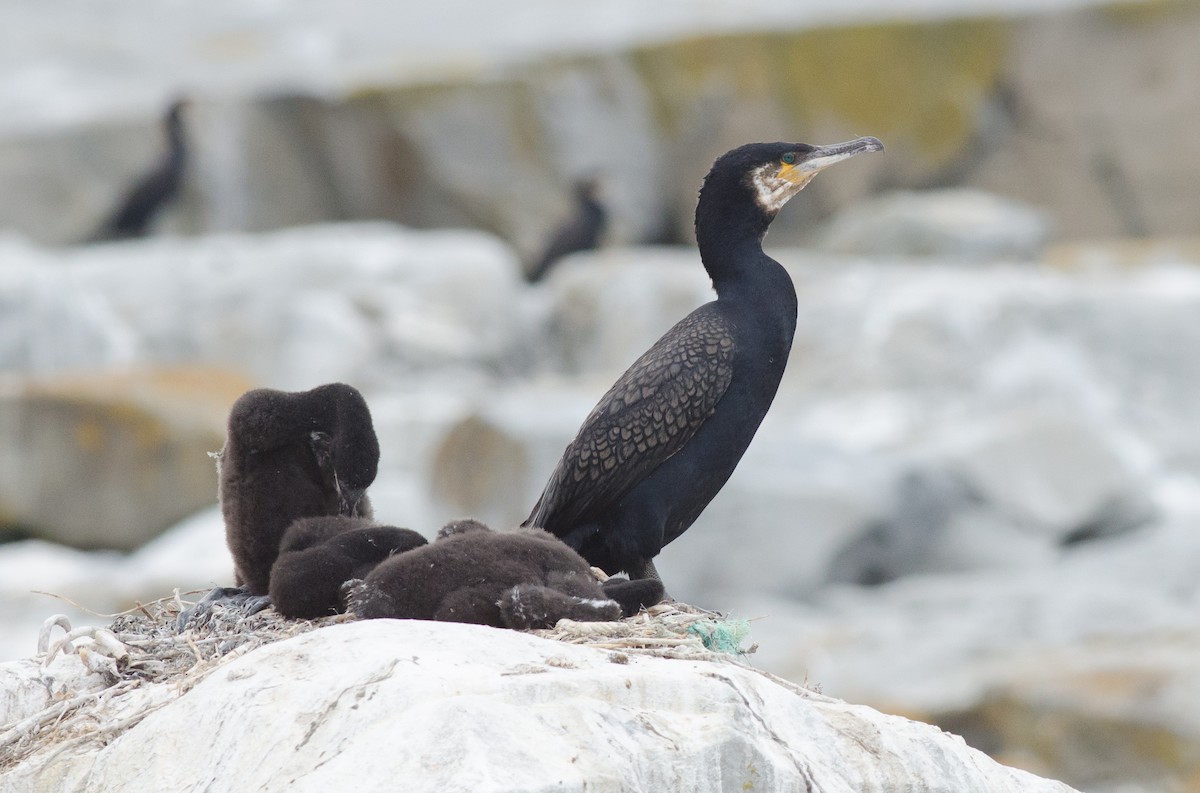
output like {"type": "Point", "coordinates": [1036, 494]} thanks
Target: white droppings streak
{"type": "Point", "coordinates": [595, 603]}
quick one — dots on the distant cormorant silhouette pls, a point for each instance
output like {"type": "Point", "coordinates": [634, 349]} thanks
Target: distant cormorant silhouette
{"type": "Point", "coordinates": [581, 232]}
{"type": "Point", "coordinates": [154, 190]}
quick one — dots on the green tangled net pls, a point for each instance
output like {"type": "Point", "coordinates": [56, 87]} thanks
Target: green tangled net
{"type": "Point", "coordinates": [722, 636]}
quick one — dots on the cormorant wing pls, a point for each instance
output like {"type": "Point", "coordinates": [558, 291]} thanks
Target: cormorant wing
{"type": "Point", "coordinates": [647, 416]}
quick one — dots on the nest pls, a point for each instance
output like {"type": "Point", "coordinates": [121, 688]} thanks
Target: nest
{"type": "Point", "coordinates": [137, 650]}
{"type": "Point", "coordinates": [668, 630]}
{"type": "Point", "coordinates": [141, 648]}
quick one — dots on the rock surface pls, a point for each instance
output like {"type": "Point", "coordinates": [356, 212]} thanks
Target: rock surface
{"type": "Point", "coordinates": [437, 707]}
{"type": "Point", "coordinates": [1036, 107]}
{"type": "Point", "coordinates": [1081, 665]}
{"type": "Point", "coordinates": [932, 409]}
{"type": "Point", "coordinates": [110, 460]}
{"type": "Point", "coordinates": [292, 308]}
{"type": "Point", "coordinates": [923, 436]}
{"type": "Point", "coordinates": [964, 225]}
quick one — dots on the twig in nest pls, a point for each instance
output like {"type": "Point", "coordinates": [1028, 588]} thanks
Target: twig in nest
{"type": "Point", "coordinates": [139, 607]}
{"type": "Point", "coordinates": [56, 621]}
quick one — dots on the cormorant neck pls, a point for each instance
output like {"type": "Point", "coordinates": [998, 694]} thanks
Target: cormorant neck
{"type": "Point", "coordinates": [730, 228]}
{"type": "Point", "coordinates": [176, 143]}
{"type": "Point", "coordinates": [591, 203]}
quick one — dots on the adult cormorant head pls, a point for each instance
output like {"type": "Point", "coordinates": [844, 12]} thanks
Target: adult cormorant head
{"type": "Point", "coordinates": [750, 184]}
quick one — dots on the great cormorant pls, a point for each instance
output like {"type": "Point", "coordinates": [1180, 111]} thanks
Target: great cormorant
{"type": "Point", "coordinates": [666, 437]}
{"type": "Point", "coordinates": [581, 232]}
{"type": "Point", "coordinates": [156, 189]}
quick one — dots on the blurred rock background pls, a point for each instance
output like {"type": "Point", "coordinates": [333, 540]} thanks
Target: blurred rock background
{"type": "Point", "coordinates": [975, 499]}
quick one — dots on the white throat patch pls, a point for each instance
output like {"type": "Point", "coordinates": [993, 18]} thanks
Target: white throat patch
{"type": "Point", "coordinates": [772, 191]}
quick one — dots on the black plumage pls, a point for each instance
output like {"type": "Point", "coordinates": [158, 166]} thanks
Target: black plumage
{"type": "Point", "coordinates": [156, 189]}
{"type": "Point", "coordinates": [318, 555]}
{"type": "Point", "coordinates": [292, 455]}
{"type": "Point", "coordinates": [522, 579]}
{"type": "Point", "coordinates": [582, 231]}
{"type": "Point", "coordinates": [633, 596]}
{"type": "Point", "coordinates": [288, 455]}
{"type": "Point", "coordinates": [667, 436]}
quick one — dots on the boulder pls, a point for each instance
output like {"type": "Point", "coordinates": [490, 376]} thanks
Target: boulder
{"type": "Point", "coordinates": [606, 308]}
{"type": "Point", "coordinates": [964, 225]}
{"type": "Point", "coordinates": [1105, 716]}
{"type": "Point", "coordinates": [361, 303]}
{"type": "Point", "coordinates": [434, 706]}
{"type": "Point", "coordinates": [774, 529]}
{"type": "Point", "coordinates": [111, 460]}
{"type": "Point", "coordinates": [1052, 473]}
{"type": "Point", "coordinates": [1066, 125]}
{"type": "Point", "coordinates": [1009, 492]}
{"type": "Point", "coordinates": [892, 350]}
{"type": "Point", "coordinates": [47, 324]}
{"type": "Point", "coordinates": [913, 533]}
{"type": "Point", "coordinates": [494, 459]}
{"type": "Point", "coordinates": [481, 470]}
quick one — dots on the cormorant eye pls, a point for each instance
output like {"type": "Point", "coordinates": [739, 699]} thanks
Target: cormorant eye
{"type": "Point", "coordinates": [789, 158]}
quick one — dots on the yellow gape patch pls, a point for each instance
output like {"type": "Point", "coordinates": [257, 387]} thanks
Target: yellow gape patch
{"type": "Point", "coordinates": [774, 183]}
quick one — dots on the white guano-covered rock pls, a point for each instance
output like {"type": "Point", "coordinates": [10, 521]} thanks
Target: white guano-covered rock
{"type": "Point", "coordinates": [420, 706]}
{"type": "Point", "coordinates": [356, 302]}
